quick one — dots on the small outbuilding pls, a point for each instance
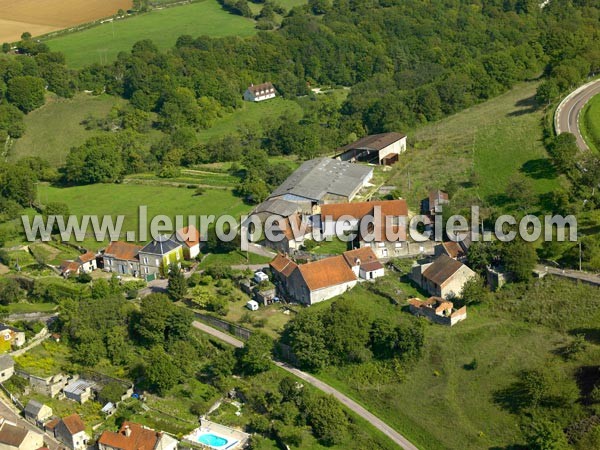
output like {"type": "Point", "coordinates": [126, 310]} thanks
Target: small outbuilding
{"type": "Point", "coordinates": [260, 276]}
{"type": "Point", "coordinates": [37, 412]}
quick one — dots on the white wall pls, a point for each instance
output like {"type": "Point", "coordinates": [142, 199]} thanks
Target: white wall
{"type": "Point", "coordinates": [396, 148]}
{"type": "Point", "coordinates": [330, 292]}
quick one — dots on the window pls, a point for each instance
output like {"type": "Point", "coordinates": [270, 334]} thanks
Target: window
{"type": "Point", "coordinates": [157, 262]}
{"type": "Point", "coordinates": [398, 244]}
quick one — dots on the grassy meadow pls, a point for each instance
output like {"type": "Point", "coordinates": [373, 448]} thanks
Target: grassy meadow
{"type": "Point", "coordinates": [124, 199]}
{"type": "Point", "coordinates": [102, 43]}
{"type": "Point", "coordinates": [590, 125]}
{"type": "Point", "coordinates": [251, 115]}
{"type": "Point", "coordinates": [472, 408]}
{"type": "Point", "coordinates": [53, 129]}
{"type": "Point", "coordinates": [496, 139]}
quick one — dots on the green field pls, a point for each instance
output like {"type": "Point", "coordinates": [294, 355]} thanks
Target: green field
{"type": "Point", "coordinates": [54, 128]}
{"type": "Point", "coordinates": [115, 199]}
{"type": "Point", "coordinates": [590, 125]}
{"type": "Point", "coordinates": [497, 139]}
{"type": "Point", "coordinates": [251, 115]}
{"type": "Point", "coordinates": [442, 403]}
{"type": "Point", "coordinates": [102, 43]}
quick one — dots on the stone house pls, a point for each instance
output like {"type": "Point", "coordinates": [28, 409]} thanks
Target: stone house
{"type": "Point", "coordinates": [260, 92]}
{"type": "Point", "coordinates": [12, 335]}
{"type": "Point", "coordinates": [7, 367]}
{"type": "Point", "coordinates": [37, 412]}
{"type": "Point", "coordinates": [13, 437]}
{"type": "Point", "coordinates": [437, 310]}
{"type": "Point", "coordinates": [321, 280]}
{"type": "Point", "coordinates": [133, 436]}
{"type": "Point", "coordinates": [156, 256]}
{"type": "Point", "coordinates": [70, 431]}
{"type": "Point", "coordinates": [122, 258]}
{"type": "Point", "coordinates": [444, 278]}
{"type": "Point", "coordinates": [190, 238]}
{"type": "Point", "coordinates": [50, 386]}
{"type": "Point", "coordinates": [87, 262]}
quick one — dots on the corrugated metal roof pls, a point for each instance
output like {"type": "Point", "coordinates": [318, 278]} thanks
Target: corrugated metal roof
{"type": "Point", "coordinates": [318, 177]}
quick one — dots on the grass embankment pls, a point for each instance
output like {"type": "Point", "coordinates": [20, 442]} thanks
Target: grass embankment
{"type": "Point", "coordinates": [102, 43]}
{"type": "Point", "coordinates": [589, 123]}
{"type": "Point", "coordinates": [496, 139]}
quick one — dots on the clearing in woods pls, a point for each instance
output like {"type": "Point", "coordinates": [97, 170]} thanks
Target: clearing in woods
{"type": "Point", "coordinates": [43, 16]}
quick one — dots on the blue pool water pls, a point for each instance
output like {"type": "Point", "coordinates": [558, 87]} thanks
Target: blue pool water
{"type": "Point", "coordinates": [212, 440]}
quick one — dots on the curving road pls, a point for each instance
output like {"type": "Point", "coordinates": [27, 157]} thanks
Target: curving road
{"type": "Point", "coordinates": [396, 437]}
{"type": "Point", "coordinates": [566, 118]}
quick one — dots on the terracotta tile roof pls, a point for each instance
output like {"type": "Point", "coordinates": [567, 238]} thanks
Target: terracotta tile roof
{"type": "Point", "coordinates": [370, 267]}
{"type": "Point", "coordinates": [453, 249]}
{"type": "Point", "coordinates": [51, 425]}
{"type": "Point", "coordinates": [374, 141]}
{"type": "Point", "coordinates": [283, 264]}
{"type": "Point", "coordinates": [442, 269]}
{"type": "Point", "coordinates": [386, 232]}
{"type": "Point", "coordinates": [326, 272]}
{"type": "Point", "coordinates": [436, 303]}
{"type": "Point", "coordinates": [364, 254]}
{"type": "Point", "coordinates": [11, 435]}
{"type": "Point", "coordinates": [122, 250]}
{"type": "Point", "coordinates": [69, 266]}
{"type": "Point", "coordinates": [141, 438]}
{"type": "Point", "coordinates": [358, 210]}
{"type": "Point", "coordinates": [437, 197]}
{"type": "Point", "coordinates": [190, 236]}
{"type": "Point", "coordinates": [87, 257]}
{"type": "Point", "coordinates": [73, 423]}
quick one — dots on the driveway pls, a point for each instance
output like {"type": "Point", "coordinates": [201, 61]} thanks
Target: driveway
{"type": "Point", "coordinates": [566, 118]}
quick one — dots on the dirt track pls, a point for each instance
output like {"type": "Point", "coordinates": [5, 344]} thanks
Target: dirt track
{"type": "Point", "coordinates": [43, 16]}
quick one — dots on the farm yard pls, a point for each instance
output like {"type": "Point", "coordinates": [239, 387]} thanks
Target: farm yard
{"type": "Point", "coordinates": [43, 16]}
{"type": "Point", "coordinates": [102, 43]}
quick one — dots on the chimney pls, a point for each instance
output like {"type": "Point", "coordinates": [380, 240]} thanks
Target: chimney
{"type": "Point", "coordinates": [127, 431]}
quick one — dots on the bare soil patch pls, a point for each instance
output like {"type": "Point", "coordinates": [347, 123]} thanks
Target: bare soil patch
{"type": "Point", "coordinates": [43, 16]}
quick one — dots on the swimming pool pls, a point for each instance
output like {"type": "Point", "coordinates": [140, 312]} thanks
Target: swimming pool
{"type": "Point", "coordinates": [215, 441]}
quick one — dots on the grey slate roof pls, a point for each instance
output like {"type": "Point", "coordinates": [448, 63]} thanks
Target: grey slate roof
{"type": "Point", "coordinates": [161, 246]}
{"type": "Point", "coordinates": [277, 206]}
{"type": "Point", "coordinates": [6, 362]}
{"type": "Point", "coordinates": [318, 177]}
{"type": "Point", "coordinates": [33, 408]}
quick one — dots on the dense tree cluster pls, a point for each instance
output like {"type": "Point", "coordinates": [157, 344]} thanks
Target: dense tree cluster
{"type": "Point", "coordinates": [344, 334]}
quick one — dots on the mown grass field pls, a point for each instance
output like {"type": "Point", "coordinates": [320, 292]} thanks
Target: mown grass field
{"type": "Point", "coordinates": [102, 43]}
{"type": "Point", "coordinates": [54, 128]}
{"type": "Point", "coordinates": [589, 124]}
{"type": "Point", "coordinates": [496, 139]}
{"type": "Point", "coordinates": [124, 199]}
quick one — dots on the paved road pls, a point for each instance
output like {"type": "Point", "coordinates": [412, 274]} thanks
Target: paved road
{"type": "Point", "coordinates": [7, 410]}
{"type": "Point", "coordinates": [566, 119]}
{"type": "Point", "coordinates": [348, 402]}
